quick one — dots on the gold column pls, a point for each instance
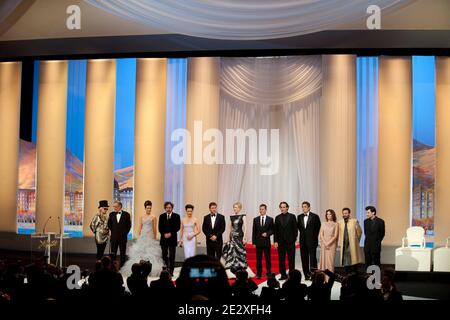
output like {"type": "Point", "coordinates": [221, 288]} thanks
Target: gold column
{"type": "Point", "coordinates": [200, 186]}
{"type": "Point", "coordinates": [149, 136]}
{"type": "Point", "coordinates": [442, 204]}
{"type": "Point", "coordinates": [394, 146]}
{"type": "Point", "coordinates": [10, 73]}
{"type": "Point", "coordinates": [338, 134]}
{"type": "Point", "coordinates": [51, 145]}
{"type": "Point", "coordinates": [99, 137]}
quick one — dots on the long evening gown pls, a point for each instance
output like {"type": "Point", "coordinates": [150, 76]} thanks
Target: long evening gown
{"type": "Point", "coordinates": [145, 248]}
{"type": "Point", "coordinates": [234, 253]}
{"type": "Point", "coordinates": [189, 245]}
{"type": "Point", "coordinates": [328, 256]}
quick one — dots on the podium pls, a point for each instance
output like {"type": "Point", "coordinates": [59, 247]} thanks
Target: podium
{"type": "Point", "coordinates": [46, 243]}
{"type": "Point", "coordinates": [61, 237]}
{"type": "Point", "coordinates": [49, 240]}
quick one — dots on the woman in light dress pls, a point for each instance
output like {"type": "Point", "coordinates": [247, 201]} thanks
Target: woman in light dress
{"type": "Point", "coordinates": [189, 232]}
{"type": "Point", "coordinates": [328, 235]}
{"type": "Point", "coordinates": [146, 247]}
{"type": "Point", "coordinates": [234, 253]}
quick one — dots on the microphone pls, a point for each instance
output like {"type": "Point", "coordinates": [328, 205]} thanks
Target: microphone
{"type": "Point", "coordinates": [45, 224]}
{"type": "Point", "coordinates": [59, 224]}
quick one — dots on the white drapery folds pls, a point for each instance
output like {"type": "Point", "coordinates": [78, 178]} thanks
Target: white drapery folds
{"type": "Point", "coordinates": [174, 174]}
{"type": "Point", "coordinates": [271, 93]}
{"type": "Point", "coordinates": [271, 81]}
{"type": "Point", "coordinates": [367, 136]}
{"type": "Point", "coordinates": [244, 19]}
{"type": "Point", "coordinates": [7, 7]}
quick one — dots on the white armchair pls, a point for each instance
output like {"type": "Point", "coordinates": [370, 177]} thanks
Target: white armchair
{"type": "Point", "coordinates": [413, 255]}
{"type": "Point", "coordinates": [415, 237]}
{"type": "Point", "coordinates": [441, 258]}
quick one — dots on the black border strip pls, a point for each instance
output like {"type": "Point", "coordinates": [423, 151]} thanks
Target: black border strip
{"type": "Point", "coordinates": [360, 42]}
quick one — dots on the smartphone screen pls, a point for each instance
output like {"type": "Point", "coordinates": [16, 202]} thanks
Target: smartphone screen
{"type": "Point", "coordinates": [202, 273]}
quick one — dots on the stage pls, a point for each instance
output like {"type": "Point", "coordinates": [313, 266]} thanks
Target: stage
{"type": "Point", "coordinates": [195, 122]}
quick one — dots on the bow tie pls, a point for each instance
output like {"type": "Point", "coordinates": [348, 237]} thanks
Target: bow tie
{"type": "Point", "coordinates": [213, 215]}
{"type": "Point", "coordinates": [118, 213]}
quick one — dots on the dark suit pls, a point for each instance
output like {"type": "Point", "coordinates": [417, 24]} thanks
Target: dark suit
{"type": "Point", "coordinates": [262, 243]}
{"type": "Point", "coordinates": [374, 232]}
{"type": "Point", "coordinates": [309, 240]}
{"type": "Point", "coordinates": [168, 246]}
{"type": "Point", "coordinates": [119, 233]}
{"type": "Point", "coordinates": [214, 248]}
{"type": "Point", "coordinates": [285, 234]}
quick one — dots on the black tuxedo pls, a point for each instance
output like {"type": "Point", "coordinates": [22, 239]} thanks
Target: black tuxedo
{"type": "Point", "coordinates": [285, 234]}
{"type": "Point", "coordinates": [214, 248]}
{"type": "Point", "coordinates": [374, 232]}
{"type": "Point", "coordinates": [168, 246]}
{"type": "Point", "coordinates": [309, 240]}
{"type": "Point", "coordinates": [262, 243]}
{"type": "Point", "coordinates": [119, 234]}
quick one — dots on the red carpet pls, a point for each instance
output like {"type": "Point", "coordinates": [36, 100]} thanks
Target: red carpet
{"type": "Point", "coordinates": [251, 260]}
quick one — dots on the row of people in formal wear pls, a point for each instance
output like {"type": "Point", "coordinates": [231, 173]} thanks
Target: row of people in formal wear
{"type": "Point", "coordinates": [286, 229]}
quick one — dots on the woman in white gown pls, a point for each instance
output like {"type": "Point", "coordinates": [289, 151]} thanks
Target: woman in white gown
{"type": "Point", "coordinates": [189, 232]}
{"type": "Point", "coordinates": [146, 247]}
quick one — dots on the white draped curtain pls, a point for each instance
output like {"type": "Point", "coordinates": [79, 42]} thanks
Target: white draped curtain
{"type": "Point", "coordinates": [245, 19]}
{"type": "Point", "coordinates": [272, 93]}
{"type": "Point", "coordinates": [175, 119]}
{"type": "Point", "coordinates": [367, 136]}
{"type": "Point", "coordinates": [7, 7]}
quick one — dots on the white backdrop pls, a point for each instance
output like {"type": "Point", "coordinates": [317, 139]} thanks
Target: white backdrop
{"type": "Point", "coordinates": [245, 19]}
{"type": "Point", "coordinates": [272, 93]}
